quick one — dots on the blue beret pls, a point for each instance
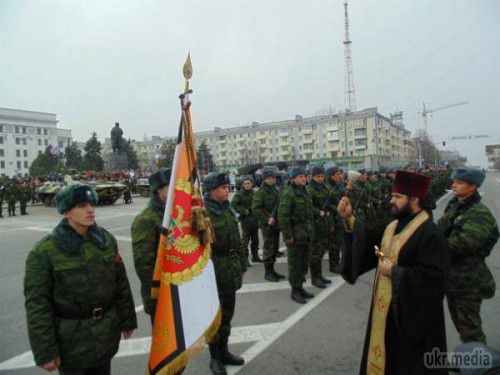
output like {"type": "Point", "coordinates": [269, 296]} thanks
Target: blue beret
{"type": "Point", "coordinates": [471, 175]}
{"type": "Point", "coordinates": [73, 195]}
{"type": "Point", "coordinates": [216, 179]}
{"type": "Point", "coordinates": [317, 169]}
{"type": "Point", "coordinates": [268, 172]}
{"type": "Point", "coordinates": [159, 179]}
{"type": "Point", "coordinates": [295, 171]}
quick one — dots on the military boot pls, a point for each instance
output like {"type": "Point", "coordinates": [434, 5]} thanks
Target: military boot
{"type": "Point", "coordinates": [216, 364]}
{"type": "Point", "coordinates": [325, 280]}
{"type": "Point", "coordinates": [269, 275]}
{"type": "Point", "coordinates": [255, 256]}
{"type": "Point", "coordinates": [318, 283]}
{"type": "Point", "coordinates": [305, 293]}
{"type": "Point", "coordinates": [228, 358]}
{"type": "Point", "coordinates": [278, 275]}
{"type": "Point", "coordinates": [297, 296]}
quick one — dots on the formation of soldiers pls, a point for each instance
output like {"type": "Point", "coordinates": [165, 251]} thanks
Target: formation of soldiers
{"type": "Point", "coordinates": [304, 211]}
{"type": "Point", "coordinates": [13, 191]}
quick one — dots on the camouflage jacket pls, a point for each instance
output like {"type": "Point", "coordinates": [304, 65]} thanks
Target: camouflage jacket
{"type": "Point", "coordinates": [296, 214]}
{"type": "Point", "coordinates": [265, 204]}
{"type": "Point", "coordinates": [11, 192]}
{"type": "Point", "coordinates": [242, 203]}
{"type": "Point", "coordinates": [472, 232]}
{"type": "Point", "coordinates": [227, 252]}
{"type": "Point", "coordinates": [66, 278]}
{"type": "Point", "coordinates": [322, 201]}
{"type": "Point", "coordinates": [146, 230]}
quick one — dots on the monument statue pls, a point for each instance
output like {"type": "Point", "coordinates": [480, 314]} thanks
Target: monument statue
{"type": "Point", "coordinates": [117, 138]}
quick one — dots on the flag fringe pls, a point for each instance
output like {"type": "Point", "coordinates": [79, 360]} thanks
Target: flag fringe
{"type": "Point", "coordinates": [179, 363]}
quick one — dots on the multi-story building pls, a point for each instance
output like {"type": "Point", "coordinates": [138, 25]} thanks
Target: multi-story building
{"type": "Point", "coordinates": [26, 134]}
{"type": "Point", "coordinates": [363, 138]}
{"type": "Point", "coordinates": [493, 155]}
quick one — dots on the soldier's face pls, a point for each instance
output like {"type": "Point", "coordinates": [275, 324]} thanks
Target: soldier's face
{"type": "Point", "coordinates": [162, 193]}
{"type": "Point", "coordinates": [221, 193]}
{"type": "Point", "coordinates": [270, 181]}
{"type": "Point", "coordinates": [463, 189]}
{"type": "Point", "coordinates": [247, 185]}
{"type": "Point", "coordinates": [82, 214]}
{"type": "Point", "coordinates": [337, 177]}
{"type": "Point", "coordinates": [301, 180]}
{"type": "Point", "coordinates": [319, 178]}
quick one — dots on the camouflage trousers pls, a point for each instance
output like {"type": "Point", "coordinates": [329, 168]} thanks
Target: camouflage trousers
{"type": "Point", "coordinates": [318, 249]}
{"type": "Point", "coordinates": [334, 249]}
{"type": "Point", "coordinates": [227, 305]}
{"type": "Point", "coordinates": [271, 245]}
{"type": "Point", "coordinates": [22, 205]}
{"type": "Point", "coordinates": [298, 255]}
{"type": "Point", "coordinates": [465, 313]}
{"type": "Point", "coordinates": [250, 235]}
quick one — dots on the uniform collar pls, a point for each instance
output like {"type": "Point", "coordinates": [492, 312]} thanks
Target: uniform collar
{"type": "Point", "coordinates": [70, 241]}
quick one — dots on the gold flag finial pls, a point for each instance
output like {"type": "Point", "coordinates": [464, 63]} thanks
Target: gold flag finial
{"type": "Point", "coordinates": [187, 70]}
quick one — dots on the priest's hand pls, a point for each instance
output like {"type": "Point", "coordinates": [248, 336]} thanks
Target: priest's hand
{"type": "Point", "coordinates": [385, 267]}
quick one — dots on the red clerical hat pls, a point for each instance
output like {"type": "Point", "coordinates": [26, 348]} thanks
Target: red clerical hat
{"type": "Point", "coordinates": [411, 184]}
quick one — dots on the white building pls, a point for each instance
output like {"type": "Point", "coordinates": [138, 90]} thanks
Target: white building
{"type": "Point", "coordinates": [358, 139]}
{"type": "Point", "coordinates": [26, 134]}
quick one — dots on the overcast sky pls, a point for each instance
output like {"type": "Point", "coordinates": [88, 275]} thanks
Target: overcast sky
{"type": "Point", "coordinates": [95, 62]}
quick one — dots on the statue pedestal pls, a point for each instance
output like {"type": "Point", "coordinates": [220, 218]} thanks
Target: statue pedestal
{"type": "Point", "coordinates": [115, 161]}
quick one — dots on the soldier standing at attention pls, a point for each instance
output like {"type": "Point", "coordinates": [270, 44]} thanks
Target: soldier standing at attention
{"type": "Point", "coordinates": [295, 215]}
{"type": "Point", "coordinates": [337, 191]}
{"type": "Point", "coordinates": [265, 208]}
{"type": "Point", "coordinates": [11, 195]}
{"type": "Point", "coordinates": [242, 203]}
{"type": "Point", "coordinates": [77, 295]}
{"type": "Point", "coordinates": [322, 202]}
{"type": "Point", "coordinates": [471, 232]}
{"type": "Point", "coordinates": [146, 229]}
{"type": "Point", "coordinates": [230, 263]}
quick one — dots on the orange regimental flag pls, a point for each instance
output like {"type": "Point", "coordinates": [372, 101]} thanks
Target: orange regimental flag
{"type": "Point", "coordinates": [188, 311]}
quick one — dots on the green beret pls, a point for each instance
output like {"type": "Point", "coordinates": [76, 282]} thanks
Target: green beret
{"type": "Point", "coordinates": [216, 179]}
{"type": "Point", "coordinates": [471, 175]}
{"type": "Point", "coordinates": [159, 179]}
{"type": "Point", "coordinates": [317, 169]}
{"type": "Point", "coordinates": [295, 171]}
{"type": "Point", "coordinates": [73, 195]}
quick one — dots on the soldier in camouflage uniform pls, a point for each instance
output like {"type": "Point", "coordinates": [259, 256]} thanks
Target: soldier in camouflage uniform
{"type": "Point", "coordinates": [11, 196]}
{"type": "Point", "coordinates": [242, 203]}
{"type": "Point", "coordinates": [295, 215]}
{"type": "Point", "coordinates": [322, 206]}
{"type": "Point", "coordinates": [471, 232]}
{"type": "Point", "coordinates": [337, 191]}
{"type": "Point", "coordinates": [146, 229]}
{"type": "Point", "coordinates": [2, 196]}
{"type": "Point", "coordinates": [24, 195]}
{"type": "Point", "coordinates": [230, 262]}
{"type": "Point", "coordinates": [265, 208]}
{"type": "Point", "coordinates": [127, 195]}
{"type": "Point", "coordinates": [77, 295]}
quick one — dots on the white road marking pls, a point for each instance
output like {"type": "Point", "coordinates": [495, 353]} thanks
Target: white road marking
{"type": "Point", "coordinates": [284, 326]}
{"type": "Point", "coordinates": [141, 345]}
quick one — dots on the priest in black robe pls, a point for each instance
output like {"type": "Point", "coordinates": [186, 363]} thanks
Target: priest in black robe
{"type": "Point", "coordinates": [411, 259]}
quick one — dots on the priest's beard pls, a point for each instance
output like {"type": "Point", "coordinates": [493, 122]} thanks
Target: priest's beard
{"type": "Point", "coordinates": [401, 213]}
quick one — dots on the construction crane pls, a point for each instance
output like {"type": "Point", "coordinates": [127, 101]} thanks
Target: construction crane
{"type": "Point", "coordinates": [426, 111]}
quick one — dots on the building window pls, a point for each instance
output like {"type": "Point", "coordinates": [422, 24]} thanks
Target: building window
{"type": "Point", "coordinates": [45, 132]}
{"type": "Point", "coordinates": [24, 129]}
{"type": "Point", "coordinates": [25, 153]}
{"type": "Point", "coordinates": [39, 131]}
{"type": "Point", "coordinates": [18, 153]}
{"type": "Point", "coordinates": [1, 140]}
{"type": "Point", "coordinates": [26, 164]}
{"type": "Point", "coordinates": [2, 152]}
{"type": "Point", "coordinates": [18, 164]}
{"type": "Point", "coordinates": [17, 129]}
{"type": "Point", "coordinates": [2, 164]}
{"type": "Point", "coordinates": [39, 142]}
{"type": "Point", "coordinates": [18, 141]}
{"type": "Point", "coordinates": [1, 128]}
{"type": "Point", "coordinates": [25, 141]}
{"type": "Point", "coordinates": [46, 142]}
{"type": "Point", "coordinates": [39, 152]}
